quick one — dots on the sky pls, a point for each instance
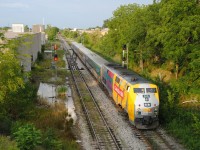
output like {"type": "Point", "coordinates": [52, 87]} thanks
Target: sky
{"type": "Point", "coordinates": [80, 14]}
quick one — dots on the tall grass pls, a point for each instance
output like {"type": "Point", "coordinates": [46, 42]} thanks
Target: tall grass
{"type": "Point", "coordinates": [7, 144]}
{"type": "Point", "coordinates": [61, 92]}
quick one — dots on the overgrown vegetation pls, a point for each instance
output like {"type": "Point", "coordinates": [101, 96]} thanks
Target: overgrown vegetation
{"type": "Point", "coordinates": [7, 144]}
{"type": "Point", "coordinates": [163, 42]}
{"type": "Point", "coordinates": [27, 122]}
{"type": "Point", "coordinates": [51, 32]}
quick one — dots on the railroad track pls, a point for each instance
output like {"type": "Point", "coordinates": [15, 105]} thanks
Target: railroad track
{"type": "Point", "coordinates": [158, 140]}
{"type": "Point", "coordinates": [153, 139]}
{"type": "Point", "coordinates": [101, 133]}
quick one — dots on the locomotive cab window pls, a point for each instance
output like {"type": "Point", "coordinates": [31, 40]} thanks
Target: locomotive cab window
{"type": "Point", "coordinates": [117, 80]}
{"type": "Point", "coordinates": [151, 90]}
{"type": "Point", "coordinates": [139, 90]}
{"type": "Point", "coordinates": [128, 88]}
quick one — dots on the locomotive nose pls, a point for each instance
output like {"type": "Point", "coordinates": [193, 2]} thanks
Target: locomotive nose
{"type": "Point", "coordinates": [147, 120]}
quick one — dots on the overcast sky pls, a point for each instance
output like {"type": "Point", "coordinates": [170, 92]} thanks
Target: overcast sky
{"type": "Point", "coordinates": [60, 13]}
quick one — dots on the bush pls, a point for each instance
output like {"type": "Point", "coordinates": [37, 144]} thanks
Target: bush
{"type": "Point", "coordinates": [27, 137]}
{"type": "Point", "coordinates": [50, 142]}
{"type": "Point", "coordinates": [17, 103]}
{"type": "Point", "coordinates": [5, 124]}
{"type": "Point", "coordinates": [61, 91]}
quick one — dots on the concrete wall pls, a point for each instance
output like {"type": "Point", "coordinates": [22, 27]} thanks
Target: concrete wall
{"type": "Point", "coordinates": [38, 28]}
{"type": "Point", "coordinates": [28, 50]}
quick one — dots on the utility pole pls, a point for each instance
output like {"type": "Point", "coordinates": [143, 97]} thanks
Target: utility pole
{"type": "Point", "coordinates": [55, 58]}
{"type": "Point", "coordinates": [125, 55]}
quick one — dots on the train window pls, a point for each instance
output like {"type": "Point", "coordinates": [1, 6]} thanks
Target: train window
{"type": "Point", "coordinates": [139, 90]}
{"type": "Point", "coordinates": [128, 88]}
{"type": "Point", "coordinates": [117, 80]}
{"type": "Point", "coordinates": [104, 80]}
{"type": "Point", "coordinates": [151, 90]}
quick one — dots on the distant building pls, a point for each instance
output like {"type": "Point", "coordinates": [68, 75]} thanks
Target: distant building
{"type": "Point", "coordinates": [38, 28]}
{"type": "Point", "coordinates": [18, 28]}
{"type": "Point", "coordinates": [104, 31]}
{"type": "Point", "coordinates": [90, 31]}
{"type": "Point", "coordinates": [75, 29]}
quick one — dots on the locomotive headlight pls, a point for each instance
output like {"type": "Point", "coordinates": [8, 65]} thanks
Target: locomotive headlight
{"type": "Point", "coordinates": [156, 111]}
{"type": "Point", "coordinates": [138, 111]}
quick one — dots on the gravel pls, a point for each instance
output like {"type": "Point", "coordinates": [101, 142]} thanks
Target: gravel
{"type": "Point", "coordinates": [117, 122]}
{"type": "Point", "coordinates": [116, 119]}
{"type": "Point", "coordinates": [121, 128]}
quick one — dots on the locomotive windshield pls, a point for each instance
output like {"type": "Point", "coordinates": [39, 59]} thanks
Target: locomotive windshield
{"type": "Point", "coordinates": [151, 90]}
{"type": "Point", "coordinates": [142, 90]}
{"type": "Point", "coordinates": [139, 90]}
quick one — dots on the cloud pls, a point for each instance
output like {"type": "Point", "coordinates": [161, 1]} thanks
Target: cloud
{"type": "Point", "coordinates": [13, 5]}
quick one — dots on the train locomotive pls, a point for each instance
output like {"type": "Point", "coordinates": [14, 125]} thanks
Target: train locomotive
{"type": "Point", "coordinates": [136, 95]}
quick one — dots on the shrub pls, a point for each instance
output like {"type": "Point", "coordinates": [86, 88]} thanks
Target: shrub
{"type": "Point", "coordinates": [5, 124]}
{"type": "Point", "coordinates": [27, 137]}
{"type": "Point", "coordinates": [196, 125]}
{"type": "Point", "coordinates": [61, 91]}
{"type": "Point", "coordinates": [50, 142]}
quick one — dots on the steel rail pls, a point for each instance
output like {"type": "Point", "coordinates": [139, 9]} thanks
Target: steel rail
{"type": "Point", "coordinates": [75, 68]}
{"type": "Point", "coordinates": [84, 107]}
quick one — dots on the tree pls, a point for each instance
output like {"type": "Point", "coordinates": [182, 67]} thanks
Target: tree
{"type": "Point", "coordinates": [10, 73]}
{"type": "Point", "coordinates": [105, 22]}
{"type": "Point", "coordinates": [52, 32]}
{"type": "Point", "coordinates": [128, 26]}
{"type": "Point", "coordinates": [26, 28]}
{"type": "Point", "coordinates": [180, 30]}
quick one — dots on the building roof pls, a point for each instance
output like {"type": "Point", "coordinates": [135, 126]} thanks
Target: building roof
{"type": "Point", "coordinates": [12, 35]}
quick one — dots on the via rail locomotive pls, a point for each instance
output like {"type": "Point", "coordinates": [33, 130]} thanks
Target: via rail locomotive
{"type": "Point", "coordinates": [136, 95]}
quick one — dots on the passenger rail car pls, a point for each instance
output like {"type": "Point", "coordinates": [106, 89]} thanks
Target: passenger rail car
{"type": "Point", "coordinates": [136, 95]}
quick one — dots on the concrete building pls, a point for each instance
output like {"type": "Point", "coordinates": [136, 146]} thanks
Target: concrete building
{"type": "Point", "coordinates": [38, 28]}
{"type": "Point", "coordinates": [28, 48]}
{"type": "Point", "coordinates": [18, 28]}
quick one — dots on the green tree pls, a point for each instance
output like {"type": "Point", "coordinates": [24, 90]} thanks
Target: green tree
{"type": "Point", "coordinates": [10, 73]}
{"type": "Point", "coordinates": [105, 22]}
{"type": "Point", "coordinates": [180, 30]}
{"type": "Point", "coordinates": [26, 28]}
{"type": "Point", "coordinates": [51, 32]}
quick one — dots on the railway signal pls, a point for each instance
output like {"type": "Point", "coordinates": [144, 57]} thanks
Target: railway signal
{"type": "Point", "coordinates": [124, 47]}
{"type": "Point", "coordinates": [125, 55]}
{"type": "Point", "coordinates": [55, 57]}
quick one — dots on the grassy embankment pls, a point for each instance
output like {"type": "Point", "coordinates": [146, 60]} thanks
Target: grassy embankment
{"type": "Point", "coordinates": [54, 120]}
{"type": "Point", "coordinates": [33, 123]}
